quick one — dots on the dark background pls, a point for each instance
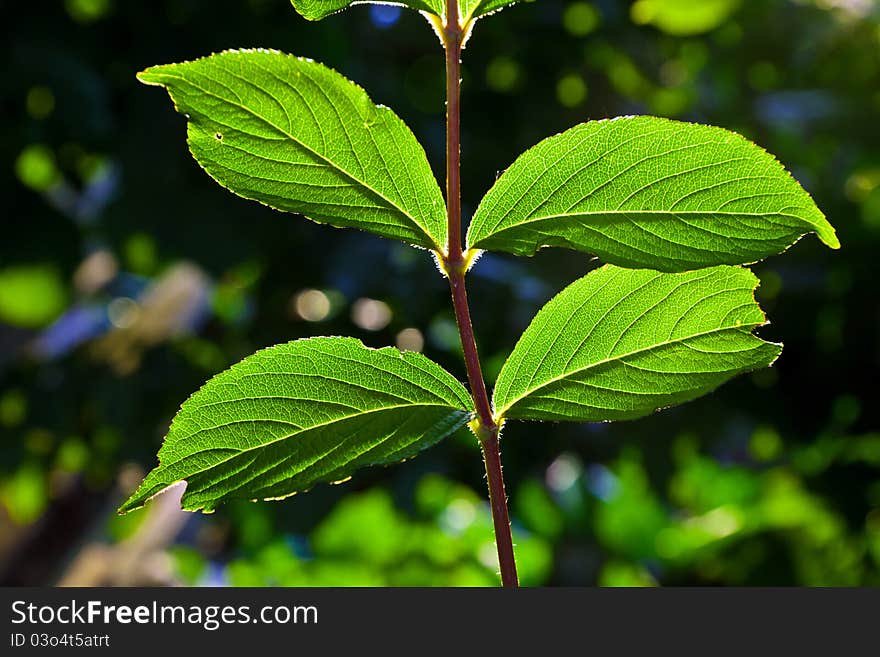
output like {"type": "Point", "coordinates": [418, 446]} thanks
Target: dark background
{"type": "Point", "coordinates": [128, 277]}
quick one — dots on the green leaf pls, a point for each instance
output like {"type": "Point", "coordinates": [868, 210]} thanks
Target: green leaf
{"type": "Point", "coordinates": [648, 192]}
{"type": "Point", "coordinates": [471, 9]}
{"type": "Point", "coordinates": [315, 10]}
{"type": "Point", "coordinates": [620, 343]}
{"type": "Point", "coordinates": [301, 413]}
{"type": "Point", "coordinates": [299, 137]}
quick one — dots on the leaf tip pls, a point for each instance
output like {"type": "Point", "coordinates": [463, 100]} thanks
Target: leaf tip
{"type": "Point", "coordinates": [828, 237]}
{"type": "Point", "coordinates": [146, 492]}
{"type": "Point", "coordinates": [133, 503]}
{"type": "Point", "coordinates": [149, 76]}
{"type": "Point", "coordinates": [127, 507]}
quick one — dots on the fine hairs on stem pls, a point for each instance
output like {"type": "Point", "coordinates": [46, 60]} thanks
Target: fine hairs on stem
{"type": "Point", "coordinates": [455, 265]}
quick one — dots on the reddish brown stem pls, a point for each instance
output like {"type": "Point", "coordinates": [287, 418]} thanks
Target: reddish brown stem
{"type": "Point", "coordinates": [455, 264]}
{"type": "Point", "coordinates": [500, 517]}
{"type": "Point", "coordinates": [471, 356]}
{"type": "Point", "coordinates": [452, 42]}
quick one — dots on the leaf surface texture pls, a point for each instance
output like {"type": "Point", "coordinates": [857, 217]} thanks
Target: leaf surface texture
{"type": "Point", "coordinates": [301, 413]}
{"type": "Point", "coordinates": [619, 344]}
{"type": "Point", "coordinates": [648, 192]}
{"type": "Point", "coordinates": [299, 137]}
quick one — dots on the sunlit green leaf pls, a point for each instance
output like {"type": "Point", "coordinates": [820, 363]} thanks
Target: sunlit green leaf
{"type": "Point", "coordinates": [648, 192]}
{"type": "Point", "coordinates": [318, 9]}
{"type": "Point", "coordinates": [305, 412]}
{"type": "Point", "coordinates": [468, 9]}
{"type": "Point", "coordinates": [475, 8]}
{"type": "Point", "coordinates": [618, 344]}
{"type": "Point", "coordinates": [299, 137]}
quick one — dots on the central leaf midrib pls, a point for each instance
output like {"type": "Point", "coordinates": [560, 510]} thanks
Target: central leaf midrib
{"type": "Point", "coordinates": [370, 447]}
{"type": "Point", "coordinates": [598, 213]}
{"type": "Point", "coordinates": [619, 357]}
{"type": "Point", "coordinates": [311, 150]}
{"type": "Point", "coordinates": [291, 435]}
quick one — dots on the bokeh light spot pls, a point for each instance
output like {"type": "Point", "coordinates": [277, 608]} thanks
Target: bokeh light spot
{"type": "Point", "coordinates": [861, 183]}
{"type": "Point", "coordinates": [370, 314]}
{"type": "Point", "coordinates": [503, 74]}
{"type": "Point", "coordinates": [384, 16]}
{"type": "Point", "coordinates": [563, 473]}
{"type": "Point", "coordinates": [846, 410]}
{"type": "Point", "coordinates": [25, 494]}
{"type": "Point", "coordinates": [765, 444]}
{"type": "Point", "coordinates": [87, 11]}
{"type": "Point", "coordinates": [140, 254]}
{"type": "Point", "coordinates": [771, 285]}
{"type": "Point", "coordinates": [670, 101]}
{"type": "Point", "coordinates": [95, 271]}
{"type": "Point", "coordinates": [410, 339]}
{"type": "Point", "coordinates": [73, 455]}
{"type": "Point", "coordinates": [488, 556]}
{"type": "Point", "coordinates": [40, 102]}
{"type": "Point", "coordinates": [571, 90]}
{"type": "Point", "coordinates": [312, 305]}
{"type": "Point", "coordinates": [683, 17]}
{"type": "Point", "coordinates": [123, 312]}
{"type": "Point", "coordinates": [458, 516]}
{"type": "Point", "coordinates": [31, 296]}
{"type": "Point", "coordinates": [36, 168]}
{"type": "Point", "coordinates": [581, 18]}
{"type": "Point", "coordinates": [444, 334]}
{"type": "Point", "coordinates": [13, 408]}
{"type": "Point", "coordinates": [763, 76]}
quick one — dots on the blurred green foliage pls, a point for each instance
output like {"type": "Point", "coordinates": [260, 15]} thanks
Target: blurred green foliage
{"type": "Point", "coordinates": [127, 278]}
{"type": "Point", "coordinates": [449, 542]}
{"type": "Point", "coordinates": [31, 296]}
{"type": "Point", "coordinates": [683, 17]}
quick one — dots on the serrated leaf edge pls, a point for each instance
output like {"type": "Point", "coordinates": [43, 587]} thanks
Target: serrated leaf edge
{"type": "Point", "coordinates": [824, 230]}
{"type": "Point", "coordinates": [144, 77]}
{"type": "Point", "coordinates": [128, 506]}
{"type": "Point", "coordinates": [499, 416]}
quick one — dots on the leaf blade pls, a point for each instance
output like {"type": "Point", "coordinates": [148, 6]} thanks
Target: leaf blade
{"type": "Point", "coordinates": [647, 192]}
{"type": "Point", "coordinates": [473, 9]}
{"type": "Point", "coordinates": [624, 343]}
{"type": "Point", "coordinates": [281, 421]}
{"type": "Point", "coordinates": [314, 10]}
{"type": "Point", "coordinates": [299, 137]}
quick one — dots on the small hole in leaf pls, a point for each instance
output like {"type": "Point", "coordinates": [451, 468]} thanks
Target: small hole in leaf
{"type": "Point", "coordinates": [219, 137]}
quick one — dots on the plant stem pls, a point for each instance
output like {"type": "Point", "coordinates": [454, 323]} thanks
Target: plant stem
{"type": "Point", "coordinates": [469, 347]}
{"type": "Point", "coordinates": [455, 265]}
{"type": "Point", "coordinates": [452, 44]}
{"type": "Point", "coordinates": [500, 517]}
